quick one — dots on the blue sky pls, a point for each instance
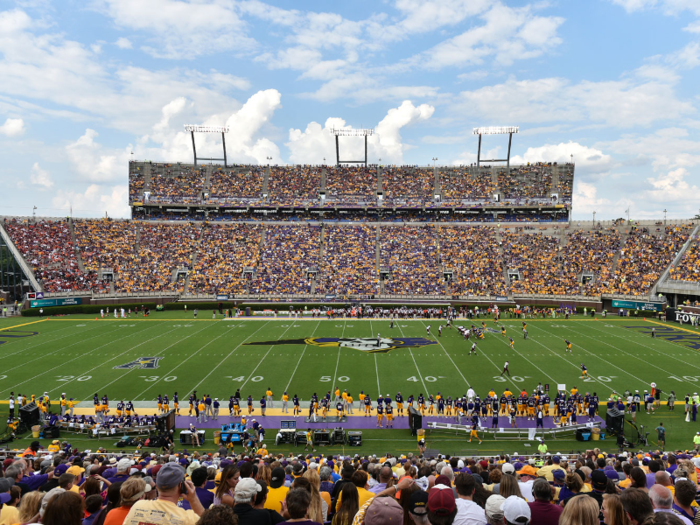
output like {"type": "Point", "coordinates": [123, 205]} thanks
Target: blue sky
{"type": "Point", "coordinates": [83, 84]}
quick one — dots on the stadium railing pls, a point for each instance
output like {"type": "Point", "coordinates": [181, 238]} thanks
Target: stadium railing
{"type": "Point", "coordinates": [506, 432]}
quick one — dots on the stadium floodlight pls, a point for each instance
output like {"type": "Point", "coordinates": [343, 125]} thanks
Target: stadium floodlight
{"type": "Point", "coordinates": [206, 129]}
{"type": "Point", "coordinates": [195, 128]}
{"type": "Point", "coordinates": [495, 130]}
{"type": "Point", "coordinates": [344, 132]}
{"type": "Point", "coordinates": [349, 132]}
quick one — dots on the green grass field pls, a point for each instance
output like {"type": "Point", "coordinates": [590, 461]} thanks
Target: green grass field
{"type": "Point", "coordinates": [78, 355]}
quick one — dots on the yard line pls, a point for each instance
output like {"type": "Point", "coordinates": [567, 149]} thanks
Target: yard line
{"type": "Point", "coordinates": [631, 355]}
{"type": "Point", "coordinates": [686, 363]}
{"type": "Point", "coordinates": [379, 389]}
{"type": "Point", "coordinates": [152, 384]}
{"type": "Point", "coordinates": [43, 356]}
{"type": "Point", "coordinates": [263, 358]}
{"type": "Point", "coordinates": [453, 363]}
{"type": "Point", "coordinates": [526, 359]}
{"type": "Point", "coordinates": [337, 361]}
{"type": "Point", "coordinates": [79, 357]}
{"type": "Point", "coordinates": [119, 355]}
{"type": "Point", "coordinates": [602, 359]}
{"type": "Point", "coordinates": [300, 358]}
{"type": "Point", "coordinates": [425, 388]}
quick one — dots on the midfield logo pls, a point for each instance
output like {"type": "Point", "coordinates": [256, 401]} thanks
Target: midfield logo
{"type": "Point", "coordinates": [363, 344]}
{"type": "Point", "coordinates": [12, 334]}
{"type": "Point", "coordinates": [141, 362]}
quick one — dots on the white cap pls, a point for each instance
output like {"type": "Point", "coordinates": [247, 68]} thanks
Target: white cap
{"type": "Point", "coordinates": [515, 508]}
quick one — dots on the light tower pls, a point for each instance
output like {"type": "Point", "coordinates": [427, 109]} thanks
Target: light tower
{"type": "Point", "coordinates": [350, 133]}
{"type": "Point", "coordinates": [495, 130]}
{"type": "Point", "coordinates": [192, 128]}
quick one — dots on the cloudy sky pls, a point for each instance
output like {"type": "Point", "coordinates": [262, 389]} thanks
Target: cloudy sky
{"type": "Point", "coordinates": [86, 84]}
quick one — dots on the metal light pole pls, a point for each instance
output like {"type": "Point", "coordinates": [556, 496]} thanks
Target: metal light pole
{"type": "Point", "coordinates": [434, 160]}
{"type": "Point", "coordinates": [268, 160]}
{"type": "Point", "coordinates": [664, 217]}
{"type": "Point", "coordinates": [594, 219]}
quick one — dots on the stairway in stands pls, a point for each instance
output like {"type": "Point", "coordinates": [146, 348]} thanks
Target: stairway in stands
{"type": "Point", "coordinates": [78, 256]}
{"type": "Point", "coordinates": [193, 261]}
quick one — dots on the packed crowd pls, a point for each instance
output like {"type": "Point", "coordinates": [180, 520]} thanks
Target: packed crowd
{"type": "Point", "coordinates": [48, 248]}
{"type": "Point", "coordinates": [352, 185]}
{"type": "Point", "coordinates": [349, 261]}
{"type": "Point", "coordinates": [70, 487]}
{"type": "Point", "coordinates": [688, 268]}
{"type": "Point", "coordinates": [143, 256]}
{"type": "Point", "coordinates": [229, 185]}
{"type": "Point", "coordinates": [286, 256]}
{"type": "Point", "coordinates": [294, 186]}
{"type": "Point", "coordinates": [136, 182]}
{"type": "Point", "coordinates": [472, 255]}
{"type": "Point", "coordinates": [407, 186]}
{"type": "Point", "coordinates": [410, 254]}
{"type": "Point", "coordinates": [531, 181]}
{"type": "Point", "coordinates": [176, 184]}
{"type": "Point", "coordinates": [566, 181]}
{"type": "Point", "coordinates": [225, 251]}
{"type": "Point", "coordinates": [644, 257]}
{"type": "Point", "coordinates": [467, 185]}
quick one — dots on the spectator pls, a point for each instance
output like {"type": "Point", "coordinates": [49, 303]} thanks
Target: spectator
{"type": "Point", "coordinates": [494, 510]}
{"type": "Point", "coordinates": [277, 492]}
{"type": "Point", "coordinates": [245, 494]}
{"type": "Point", "coordinates": [93, 506]}
{"type": "Point", "coordinates": [468, 512]}
{"type": "Point", "coordinates": [637, 506]}
{"type": "Point", "coordinates": [683, 500]}
{"type": "Point", "coordinates": [359, 479]}
{"type": "Point", "coordinates": [613, 513]}
{"type": "Point", "coordinates": [8, 514]}
{"type": "Point", "coordinates": [218, 515]}
{"type": "Point", "coordinates": [65, 508]}
{"type": "Point", "coordinates": [199, 478]}
{"type": "Point", "coordinates": [662, 501]}
{"type": "Point", "coordinates": [297, 503]}
{"type": "Point", "coordinates": [542, 510]}
{"type": "Point", "coordinates": [384, 511]}
{"type": "Point", "coordinates": [131, 491]}
{"type": "Point", "coordinates": [580, 510]}
{"type": "Point", "coordinates": [227, 483]}
{"type": "Point", "coordinates": [29, 507]}
{"type": "Point", "coordinates": [275, 517]}
{"type": "Point", "coordinates": [164, 510]}
{"type": "Point", "coordinates": [316, 506]}
{"type": "Point", "coordinates": [516, 511]}
{"type": "Point", "coordinates": [442, 507]}
{"type": "Point", "coordinates": [317, 497]}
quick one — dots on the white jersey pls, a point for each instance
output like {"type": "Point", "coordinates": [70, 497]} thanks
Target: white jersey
{"type": "Point", "coordinates": [427, 329]}
{"type": "Point", "coordinates": [506, 365]}
{"type": "Point", "coordinates": [471, 394]}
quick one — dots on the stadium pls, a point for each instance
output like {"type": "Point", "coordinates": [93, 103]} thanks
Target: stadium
{"type": "Point", "coordinates": [350, 329]}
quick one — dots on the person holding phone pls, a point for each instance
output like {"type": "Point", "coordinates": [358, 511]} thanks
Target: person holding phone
{"type": "Point", "coordinates": [171, 486]}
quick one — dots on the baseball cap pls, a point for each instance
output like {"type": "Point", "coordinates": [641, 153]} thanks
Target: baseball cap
{"type": "Point", "coordinates": [494, 506]}
{"type": "Point", "coordinates": [528, 470]}
{"type": "Point", "coordinates": [507, 468]}
{"type": "Point", "coordinates": [124, 465]}
{"type": "Point", "coordinates": [419, 503]}
{"type": "Point", "coordinates": [612, 474]}
{"type": "Point", "coordinates": [559, 474]}
{"type": "Point", "coordinates": [60, 469]}
{"type": "Point", "coordinates": [516, 510]}
{"type": "Point", "coordinates": [599, 480]}
{"type": "Point", "coordinates": [556, 459]}
{"type": "Point", "coordinates": [277, 478]}
{"type": "Point", "coordinates": [5, 497]}
{"type": "Point", "coordinates": [441, 500]}
{"type": "Point", "coordinates": [170, 476]}
{"type": "Point", "coordinates": [383, 511]}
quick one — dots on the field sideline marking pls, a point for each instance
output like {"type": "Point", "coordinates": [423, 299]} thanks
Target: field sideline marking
{"type": "Point", "coordinates": [425, 388]}
{"type": "Point", "coordinates": [676, 328]}
{"type": "Point", "coordinates": [153, 383]}
{"type": "Point", "coordinates": [450, 358]}
{"type": "Point", "coordinates": [25, 324]}
{"type": "Point", "coordinates": [225, 358]}
{"type": "Point", "coordinates": [65, 362]}
{"type": "Point", "coordinates": [300, 358]}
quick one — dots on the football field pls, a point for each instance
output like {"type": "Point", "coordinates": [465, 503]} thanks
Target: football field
{"type": "Point", "coordinates": [136, 359]}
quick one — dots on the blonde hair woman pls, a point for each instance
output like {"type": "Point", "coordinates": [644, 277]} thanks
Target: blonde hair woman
{"type": "Point", "coordinates": [316, 508]}
{"type": "Point", "coordinates": [613, 511]}
{"type": "Point", "coordinates": [580, 510]}
{"type": "Point", "coordinates": [29, 506]}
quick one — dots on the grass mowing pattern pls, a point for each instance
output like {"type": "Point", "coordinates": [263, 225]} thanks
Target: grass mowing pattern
{"type": "Point", "coordinates": [77, 355]}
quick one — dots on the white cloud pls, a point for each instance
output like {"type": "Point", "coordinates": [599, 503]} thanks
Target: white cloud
{"type": "Point", "coordinates": [693, 27]}
{"type": "Point", "coordinates": [588, 160]}
{"type": "Point", "coordinates": [617, 103]}
{"type": "Point", "coordinates": [669, 7]}
{"type": "Point", "coordinates": [40, 177]}
{"type": "Point", "coordinates": [672, 188]}
{"type": "Point", "coordinates": [182, 28]}
{"type": "Point", "coordinates": [95, 200]}
{"type": "Point", "coordinates": [586, 199]}
{"type": "Point", "coordinates": [316, 142]}
{"type": "Point", "coordinates": [13, 127]}
{"type": "Point", "coordinates": [508, 34]}
{"type": "Point", "coordinates": [95, 163]}
{"type": "Point", "coordinates": [123, 43]}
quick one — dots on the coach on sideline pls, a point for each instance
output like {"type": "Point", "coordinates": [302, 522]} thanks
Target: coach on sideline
{"type": "Point", "coordinates": [164, 510]}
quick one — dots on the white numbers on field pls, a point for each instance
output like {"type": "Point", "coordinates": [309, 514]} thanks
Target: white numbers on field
{"type": "Point", "coordinates": [412, 379]}
{"type": "Point", "coordinates": [609, 326]}
{"type": "Point", "coordinates": [499, 379]}
{"type": "Point", "coordinates": [79, 325]}
{"type": "Point", "coordinates": [432, 379]}
{"type": "Point", "coordinates": [602, 379]}
{"type": "Point", "coordinates": [257, 379]}
{"type": "Point", "coordinates": [124, 325]}
{"type": "Point", "coordinates": [558, 326]}
{"type": "Point", "coordinates": [153, 379]}
{"type": "Point", "coordinates": [518, 379]}
{"type": "Point", "coordinates": [343, 379]}
{"type": "Point", "coordinates": [694, 379]}
{"type": "Point", "coordinates": [239, 378]}
{"type": "Point", "coordinates": [185, 325]}
{"type": "Point", "coordinates": [325, 379]}
{"type": "Point", "coordinates": [71, 378]}
{"type": "Point", "coordinates": [3, 377]}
